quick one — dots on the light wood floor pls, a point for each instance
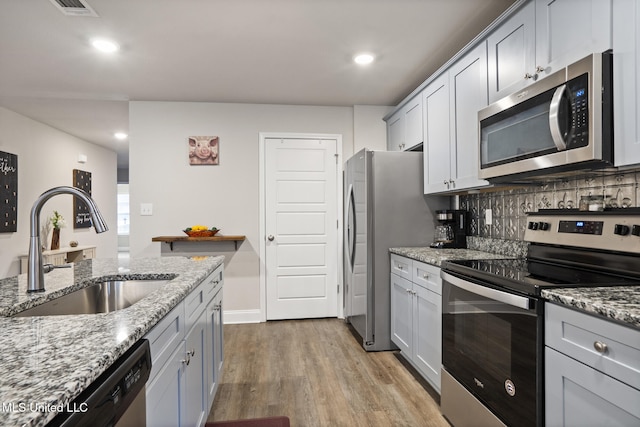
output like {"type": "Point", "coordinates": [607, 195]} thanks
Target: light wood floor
{"type": "Point", "coordinates": [316, 373]}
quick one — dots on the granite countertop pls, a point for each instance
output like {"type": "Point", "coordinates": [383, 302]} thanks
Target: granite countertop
{"type": "Point", "coordinates": [621, 303]}
{"type": "Point", "coordinates": [438, 256]}
{"type": "Point", "coordinates": [48, 361]}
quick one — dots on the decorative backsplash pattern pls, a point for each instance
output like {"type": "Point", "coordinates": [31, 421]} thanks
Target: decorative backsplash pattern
{"type": "Point", "coordinates": [510, 206]}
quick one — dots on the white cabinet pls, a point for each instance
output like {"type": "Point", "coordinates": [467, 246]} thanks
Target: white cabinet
{"type": "Point", "coordinates": [512, 53]}
{"type": "Point", "coordinates": [215, 341]}
{"type": "Point", "coordinates": [436, 148]}
{"type": "Point", "coordinates": [569, 30]}
{"type": "Point", "coordinates": [542, 37]}
{"type": "Point", "coordinates": [451, 103]}
{"type": "Point", "coordinates": [626, 81]}
{"type": "Point", "coordinates": [185, 360]}
{"type": "Point", "coordinates": [592, 370]}
{"type": "Point", "coordinates": [416, 315]}
{"type": "Point", "coordinates": [404, 128]}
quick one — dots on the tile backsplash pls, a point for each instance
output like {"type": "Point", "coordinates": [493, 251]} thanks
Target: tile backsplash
{"type": "Point", "coordinates": [510, 206]}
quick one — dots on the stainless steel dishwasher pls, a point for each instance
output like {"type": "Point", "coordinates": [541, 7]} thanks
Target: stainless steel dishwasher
{"type": "Point", "coordinates": [115, 398]}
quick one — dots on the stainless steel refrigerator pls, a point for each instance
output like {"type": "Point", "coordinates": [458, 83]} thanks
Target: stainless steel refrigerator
{"type": "Point", "coordinates": [384, 207]}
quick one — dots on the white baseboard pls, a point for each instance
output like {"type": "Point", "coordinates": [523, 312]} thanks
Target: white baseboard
{"type": "Point", "coordinates": [230, 317]}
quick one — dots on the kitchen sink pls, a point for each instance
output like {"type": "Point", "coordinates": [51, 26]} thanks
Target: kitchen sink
{"type": "Point", "coordinates": [102, 297]}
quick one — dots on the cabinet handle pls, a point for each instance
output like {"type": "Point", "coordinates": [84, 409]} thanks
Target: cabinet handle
{"type": "Point", "coordinates": [446, 182]}
{"type": "Point", "coordinates": [539, 69]}
{"type": "Point", "coordinates": [528, 76]}
{"type": "Point", "coordinates": [400, 267]}
{"type": "Point", "coordinates": [600, 347]}
{"type": "Point", "coordinates": [425, 276]}
{"type": "Point", "coordinates": [192, 352]}
{"type": "Point", "coordinates": [453, 183]}
{"type": "Point", "coordinates": [187, 360]}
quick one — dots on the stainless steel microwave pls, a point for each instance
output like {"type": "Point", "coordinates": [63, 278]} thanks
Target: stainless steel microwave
{"type": "Point", "coordinates": [561, 123]}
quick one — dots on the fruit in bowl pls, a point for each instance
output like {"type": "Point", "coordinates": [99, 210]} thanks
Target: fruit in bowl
{"type": "Point", "coordinates": [200, 231]}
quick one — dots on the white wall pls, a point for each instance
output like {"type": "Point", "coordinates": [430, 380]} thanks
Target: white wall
{"type": "Point", "coordinates": [46, 159]}
{"type": "Point", "coordinates": [369, 130]}
{"type": "Point", "coordinates": [227, 195]}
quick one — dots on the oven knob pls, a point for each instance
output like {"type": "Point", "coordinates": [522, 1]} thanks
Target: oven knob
{"type": "Point", "coordinates": [530, 225]}
{"type": "Point", "coordinates": [635, 230]}
{"type": "Point", "coordinates": [621, 229]}
{"type": "Point", "coordinates": [543, 226]}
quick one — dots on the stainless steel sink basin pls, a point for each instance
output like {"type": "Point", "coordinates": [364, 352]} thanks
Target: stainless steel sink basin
{"type": "Point", "coordinates": [102, 297]}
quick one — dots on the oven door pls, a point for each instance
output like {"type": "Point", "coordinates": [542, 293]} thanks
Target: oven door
{"type": "Point", "coordinates": [491, 344]}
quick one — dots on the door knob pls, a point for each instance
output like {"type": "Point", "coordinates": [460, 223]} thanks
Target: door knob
{"type": "Point", "coordinates": [270, 238]}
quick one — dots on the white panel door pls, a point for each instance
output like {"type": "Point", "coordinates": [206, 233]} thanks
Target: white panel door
{"type": "Point", "coordinates": [301, 221]}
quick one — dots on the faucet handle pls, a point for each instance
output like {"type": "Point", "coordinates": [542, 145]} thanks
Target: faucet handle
{"type": "Point", "coordinates": [46, 268]}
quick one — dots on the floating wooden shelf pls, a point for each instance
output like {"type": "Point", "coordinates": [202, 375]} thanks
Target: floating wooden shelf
{"type": "Point", "coordinates": [172, 239]}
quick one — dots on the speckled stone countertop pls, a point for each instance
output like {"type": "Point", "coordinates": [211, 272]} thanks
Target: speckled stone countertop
{"type": "Point", "coordinates": [47, 361]}
{"type": "Point", "coordinates": [620, 303]}
{"type": "Point", "coordinates": [438, 256]}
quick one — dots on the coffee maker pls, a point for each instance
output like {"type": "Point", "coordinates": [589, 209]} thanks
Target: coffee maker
{"type": "Point", "coordinates": [452, 229]}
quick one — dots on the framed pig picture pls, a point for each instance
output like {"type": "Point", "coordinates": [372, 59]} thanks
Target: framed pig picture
{"type": "Point", "coordinates": [8, 192]}
{"type": "Point", "coordinates": [203, 150]}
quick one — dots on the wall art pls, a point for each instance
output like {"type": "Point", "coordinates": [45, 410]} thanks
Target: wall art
{"type": "Point", "coordinates": [81, 216]}
{"type": "Point", "coordinates": [203, 150]}
{"type": "Point", "coordinates": [8, 192]}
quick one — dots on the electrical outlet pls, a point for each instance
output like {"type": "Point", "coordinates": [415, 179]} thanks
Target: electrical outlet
{"type": "Point", "coordinates": [146, 209]}
{"type": "Point", "coordinates": [488, 217]}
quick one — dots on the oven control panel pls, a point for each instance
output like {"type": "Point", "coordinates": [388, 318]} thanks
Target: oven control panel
{"type": "Point", "coordinates": [602, 230]}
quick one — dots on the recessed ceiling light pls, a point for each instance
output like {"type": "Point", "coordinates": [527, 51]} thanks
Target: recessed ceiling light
{"type": "Point", "coordinates": [104, 45]}
{"type": "Point", "coordinates": [120, 135]}
{"type": "Point", "coordinates": [363, 59]}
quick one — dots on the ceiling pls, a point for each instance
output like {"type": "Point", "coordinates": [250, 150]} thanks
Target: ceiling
{"type": "Point", "coordinates": [295, 52]}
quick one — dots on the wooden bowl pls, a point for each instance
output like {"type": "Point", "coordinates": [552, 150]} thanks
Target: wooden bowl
{"type": "Point", "coordinates": [201, 233]}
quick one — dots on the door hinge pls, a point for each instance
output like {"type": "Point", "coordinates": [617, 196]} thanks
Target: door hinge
{"type": "Point", "coordinates": [337, 223]}
{"type": "Point", "coordinates": [336, 156]}
{"type": "Point", "coordinates": [338, 288]}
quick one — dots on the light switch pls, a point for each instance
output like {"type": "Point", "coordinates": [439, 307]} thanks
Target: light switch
{"type": "Point", "coordinates": [488, 217]}
{"type": "Point", "coordinates": [146, 209]}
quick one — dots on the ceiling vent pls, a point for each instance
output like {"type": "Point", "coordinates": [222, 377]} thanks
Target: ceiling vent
{"type": "Point", "coordinates": [74, 7]}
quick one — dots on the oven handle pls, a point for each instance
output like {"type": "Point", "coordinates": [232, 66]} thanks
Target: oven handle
{"type": "Point", "coordinates": [494, 294]}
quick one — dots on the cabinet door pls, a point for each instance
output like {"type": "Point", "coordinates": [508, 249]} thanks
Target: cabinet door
{"type": "Point", "coordinates": [577, 395]}
{"type": "Point", "coordinates": [427, 334]}
{"type": "Point", "coordinates": [435, 106]}
{"type": "Point", "coordinates": [164, 405]}
{"type": "Point", "coordinates": [401, 317]}
{"type": "Point", "coordinates": [195, 393]}
{"type": "Point", "coordinates": [512, 53]}
{"type": "Point", "coordinates": [569, 30]}
{"type": "Point", "coordinates": [215, 345]}
{"type": "Point", "coordinates": [468, 94]}
{"type": "Point", "coordinates": [413, 122]}
{"type": "Point", "coordinates": [626, 81]}
{"type": "Point", "coordinates": [395, 132]}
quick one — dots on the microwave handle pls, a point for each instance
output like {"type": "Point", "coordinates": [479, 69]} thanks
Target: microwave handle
{"type": "Point", "coordinates": [554, 116]}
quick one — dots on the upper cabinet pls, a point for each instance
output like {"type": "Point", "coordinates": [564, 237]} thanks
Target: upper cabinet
{"type": "Point", "coordinates": [451, 103]}
{"type": "Point", "coordinates": [543, 37]}
{"type": "Point", "coordinates": [626, 81]}
{"type": "Point", "coordinates": [512, 54]}
{"type": "Point", "coordinates": [404, 128]}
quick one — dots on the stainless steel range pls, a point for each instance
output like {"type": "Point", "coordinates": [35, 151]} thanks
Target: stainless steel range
{"type": "Point", "coordinates": [492, 356]}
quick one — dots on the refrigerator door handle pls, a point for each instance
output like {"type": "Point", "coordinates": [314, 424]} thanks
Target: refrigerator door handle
{"type": "Point", "coordinates": [351, 228]}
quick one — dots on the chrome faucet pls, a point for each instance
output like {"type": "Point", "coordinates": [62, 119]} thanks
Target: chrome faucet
{"type": "Point", "coordinates": [35, 272]}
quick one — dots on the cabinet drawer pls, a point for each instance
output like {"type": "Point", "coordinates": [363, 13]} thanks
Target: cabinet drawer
{"type": "Point", "coordinates": [401, 266]}
{"type": "Point", "coordinates": [427, 276]}
{"type": "Point", "coordinates": [164, 337]}
{"type": "Point", "coordinates": [577, 335]}
{"type": "Point", "coordinates": [195, 304]}
{"type": "Point", "coordinates": [213, 283]}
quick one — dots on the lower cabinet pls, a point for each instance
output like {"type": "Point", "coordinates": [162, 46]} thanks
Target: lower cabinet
{"type": "Point", "coordinates": [592, 370]}
{"type": "Point", "coordinates": [186, 364]}
{"type": "Point", "coordinates": [416, 315]}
